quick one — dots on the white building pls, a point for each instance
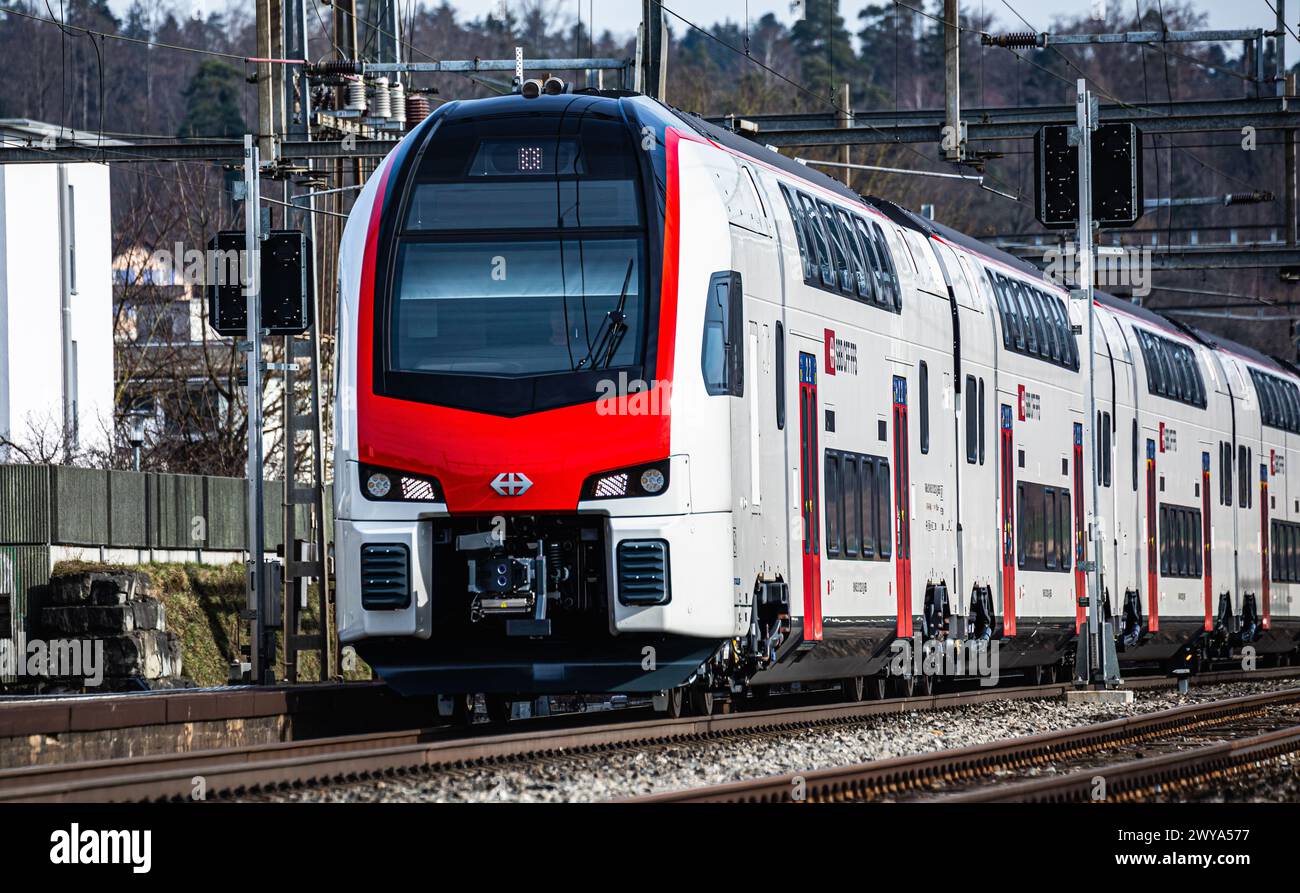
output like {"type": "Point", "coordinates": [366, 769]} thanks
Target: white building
{"type": "Point", "coordinates": [56, 295]}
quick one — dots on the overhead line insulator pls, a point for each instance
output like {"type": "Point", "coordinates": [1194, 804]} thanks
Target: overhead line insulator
{"type": "Point", "coordinates": [1016, 40]}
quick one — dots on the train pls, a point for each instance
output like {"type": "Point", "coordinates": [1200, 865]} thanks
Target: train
{"type": "Point", "coordinates": [630, 403]}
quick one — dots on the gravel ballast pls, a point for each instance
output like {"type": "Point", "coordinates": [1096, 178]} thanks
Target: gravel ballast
{"type": "Point", "coordinates": [633, 772]}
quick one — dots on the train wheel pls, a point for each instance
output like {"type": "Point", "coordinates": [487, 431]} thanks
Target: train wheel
{"type": "Point", "coordinates": [879, 687]}
{"type": "Point", "coordinates": [855, 688]}
{"type": "Point", "coordinates": [462, 709]}
{"type": "Point", "coordinates": [674, 699]}
{"type": "Point", "coordinates": [701, 702]}
{"type": "Point", "coordinates": [499, 708]}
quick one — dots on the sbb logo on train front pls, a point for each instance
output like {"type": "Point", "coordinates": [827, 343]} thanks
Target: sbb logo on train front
{"type": "Point", "coordinates": [511, 483]}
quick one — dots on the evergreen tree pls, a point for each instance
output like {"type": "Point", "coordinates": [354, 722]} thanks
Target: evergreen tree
{"type": "Point", "coordinates": [824, 48]}
{"type": "Point", "coordinates": [212, 102]}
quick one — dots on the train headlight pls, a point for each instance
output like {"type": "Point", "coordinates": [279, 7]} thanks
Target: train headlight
{"type": "Point", "coordinates": [387, 485]}
{"type": "Point", "coordinates": [652, 480]}
{"type": "Point", "coordinates": [639, 480]}
{"type": "Point", "coordinates": [378, 485]}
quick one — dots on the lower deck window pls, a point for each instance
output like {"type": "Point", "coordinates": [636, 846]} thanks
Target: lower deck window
{"type": "Point", "coordinates": [858, 518]}
{"type": "Point", "coordinates": [1180, 541]}
{"type": "Point", "coordinates": [1043, 526]}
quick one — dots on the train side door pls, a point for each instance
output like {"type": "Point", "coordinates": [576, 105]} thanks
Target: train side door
{"type": "Point", "coordinates": [1006, 458]}
{"type": "Point", "coordinates": [902, 509]}
{"type": "Point", "coordinates": [809, 496]}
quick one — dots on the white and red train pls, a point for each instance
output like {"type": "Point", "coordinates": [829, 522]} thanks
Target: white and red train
{"type": "Point", "coordinates": [627, 403]}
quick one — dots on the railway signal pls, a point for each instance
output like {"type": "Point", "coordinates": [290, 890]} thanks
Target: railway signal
{"type": "Point", "coordinates": [1116, 175]}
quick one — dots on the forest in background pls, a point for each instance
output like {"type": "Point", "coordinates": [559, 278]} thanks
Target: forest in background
{"type": "Point", "coordinates": [891, 55]}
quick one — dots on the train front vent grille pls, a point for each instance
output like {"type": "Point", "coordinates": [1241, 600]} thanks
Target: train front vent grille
{"type": "Point", "coordinates": [643, 572]}
{"type": "Point", "coordinates": [385, 576]}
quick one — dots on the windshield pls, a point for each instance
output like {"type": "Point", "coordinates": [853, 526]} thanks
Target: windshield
{"type": "Point", "coordinates": [518, 306]}
{"type": "Point", "coordinates": [522, 251]}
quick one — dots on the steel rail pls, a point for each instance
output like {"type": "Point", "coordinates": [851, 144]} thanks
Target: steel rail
{"type": "Point", "coordinates": [1140, 779]}
{"type": "Point", "coordinates": [900, 776]}
{"type": "Point", "coordinates": [282, 765]}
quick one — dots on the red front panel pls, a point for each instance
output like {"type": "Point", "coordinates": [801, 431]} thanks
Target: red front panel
{"type": "Point", "coordinates": [1153, 580]}
{"type": "Point", "coordinates": [1205, 541]}
{"type": "Point", "coordinates": [556, 449]}
{"type": "Point", "coordinates": [1006, 453]}
{"type": "Point", "coordinates": [902, 510]}
{"type": "Point", "coordinates": [809, 497]}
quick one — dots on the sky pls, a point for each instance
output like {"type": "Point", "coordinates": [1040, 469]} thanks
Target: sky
{"type": "Point", "coordinates": [623, 15]}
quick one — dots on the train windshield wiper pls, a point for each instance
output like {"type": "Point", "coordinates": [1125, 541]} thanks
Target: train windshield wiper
{"type": "Point", "coordinates": [612, 329]}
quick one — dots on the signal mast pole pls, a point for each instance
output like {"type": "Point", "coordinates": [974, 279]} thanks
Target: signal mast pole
{"type": "Point", "coordinates": [1095, 673]}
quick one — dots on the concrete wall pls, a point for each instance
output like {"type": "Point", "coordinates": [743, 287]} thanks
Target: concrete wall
{"type": "Point", "coordinates": [31, 346]}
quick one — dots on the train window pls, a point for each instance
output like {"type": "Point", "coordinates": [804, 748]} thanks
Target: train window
{"type": "Point", "coordinates": [875, 289]}
{"type": "Point", "coordinates": [889, 273]}
{"type": "Point", "coordinates": [1043, 527]}
{"type": "Point", "coordinates": [1049, 545]}
{"type": "Point", "coordinates": [1225, 473]}
{"type": "Point", "coordinates": [857, 506]}
{"type": "Point", "coordinates": [843, 278]}
{"type": "Point", "coordinates": [798, 232]}
{"type": "Point", "coordinates": [834, 505]}
{"type": "Point", "coordinates": [1026, 315]}
{"type": "Point", "coordinates": [1172, 369]}
{"type": "Point", "coordinates": [1181, 542]}
{"type": "Point", "coordinates": [1243, 477]}
{"type": "Point", "coordinates": [1046, 341]}
{"type": "Point", "coordinates": [780, 376]}
{"type": "Point", "coordinates": [858, 284]}
{"type": "Point", "coordinates": [981, 415]}
{"type": "Point", "coordinates": [722, 356]}
{"type": "Point", "coordinates": [1279, 401]}
{"type": "Point", "coordinates": [925, 407]}
{"type": "Point", "coordinates": [822, 273]}
{"type": "Point", "coordinates": [1064, 531]}
{"type": "Point", "coordinates": [1104, 448]}
{"type": "Point", "coordinates": [884, 515]}
{"type": "Point", "coordinates": [1134, 454]}
{"type": "Point", "coordinates": [1003, 311]}
{"type": "Point", "coordinates": [852, 500]}
{"type": "Point", "coordinates": [972, 420]}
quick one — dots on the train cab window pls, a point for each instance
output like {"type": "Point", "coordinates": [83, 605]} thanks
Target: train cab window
{"type": "Point", "coordinates": [795, 217]}
{"type": "Point", "coordinates": [972, 420]}
{"type": "Point", "coordinates": [722, 356]}
{"type": "Point", "coordinates": [925, 407]}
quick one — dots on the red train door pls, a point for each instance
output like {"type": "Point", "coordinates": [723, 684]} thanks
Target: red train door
{"type": "Point", "coordinates": [809, 499]}
{"type": "Point", "coordinates": [1205, 541]}
{"type": "Point", "coordinates": [1080, 537]}
{"type": "Point", "coordinates": [902, 510]}
{"type": "Point", "coordinates": [1263, 539]}
{"type": "Point", "coordinates": [1006, 452]}
{"type": "Point", "coordinates": [1153, 582]}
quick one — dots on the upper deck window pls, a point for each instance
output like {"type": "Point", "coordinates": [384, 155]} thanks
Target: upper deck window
{"type": "Point", "coordinates": [1034, 321]}
{"type": "Point", "coordinates": [1279, 401]}
{"type": "Point", "coordinates": [1172, 370]}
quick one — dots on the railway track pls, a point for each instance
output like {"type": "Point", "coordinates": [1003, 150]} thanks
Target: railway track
{"type": "Point", "coordinates": [241, 771]}
{"type": "Point", "coordinates": [986, 767]}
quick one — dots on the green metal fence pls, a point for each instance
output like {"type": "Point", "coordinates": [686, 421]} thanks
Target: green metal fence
{"type": "Point", "coordinates": [61, 505]}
